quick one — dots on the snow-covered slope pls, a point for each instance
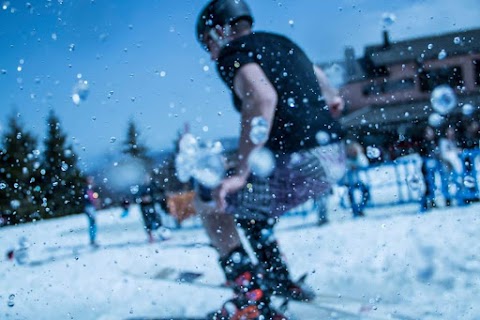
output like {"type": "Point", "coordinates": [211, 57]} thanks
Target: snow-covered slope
{"type": "Point", "coordinates": [426, 264]}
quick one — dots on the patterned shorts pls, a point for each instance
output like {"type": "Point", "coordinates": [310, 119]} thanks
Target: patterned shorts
{"type": "Point", "coordinates": [297, 177]}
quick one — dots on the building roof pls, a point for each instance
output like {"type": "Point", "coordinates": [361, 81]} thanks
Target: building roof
{"type": "Point", "coordinates": [424, 48]}
{"type": "Point", "coordinates": [397, 52]}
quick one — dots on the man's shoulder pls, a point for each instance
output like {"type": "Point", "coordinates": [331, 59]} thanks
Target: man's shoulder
{"type": "Point", "coordinates": [254, 40]}
{"type": "Point", "coordinates": [248, 49]}
{"type": "Point", "coordinates": [267, 34]}
{"type": "Point", "coordinates": [258, 37]}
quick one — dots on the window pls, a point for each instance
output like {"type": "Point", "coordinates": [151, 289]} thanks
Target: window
{"type": "Point", "coordinates": [452, 76]}
{"type": "Point", "coordinates": [391, 86]}
{"type": "Point", "coordinates": [371, 89]}
{"type": "Point", "coordinates": [399, 85]}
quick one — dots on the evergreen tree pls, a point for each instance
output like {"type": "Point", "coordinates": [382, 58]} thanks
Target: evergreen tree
{"type": "Point", "coordinates": [62, 180]}
{"type": "Point", "coordinates": [19, 170]}
{"type": "Point", "coordinates": [133, 147]}
{"type": "Point", "coordinates": [130, 170]}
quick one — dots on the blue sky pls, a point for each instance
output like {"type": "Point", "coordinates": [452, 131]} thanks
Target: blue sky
{"type": "Point", "coordinates": [141, 59]}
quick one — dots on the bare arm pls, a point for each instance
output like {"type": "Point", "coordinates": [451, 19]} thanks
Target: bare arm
{"type": "Point", "coordinates": [259, 99]}
{"type": "Point", "coordinates": [332, 97]}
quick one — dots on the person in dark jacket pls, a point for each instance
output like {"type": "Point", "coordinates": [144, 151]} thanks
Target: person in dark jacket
{"type": "Point", "coordinates": [427, 148]}
{"type": "Point", "coordinates": [470, 144]}
{"type": "Point", "coordinates": [146, 198]}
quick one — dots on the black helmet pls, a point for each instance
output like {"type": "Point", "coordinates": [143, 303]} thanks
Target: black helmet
{"type": "Point", "coordinates": [221, 13]}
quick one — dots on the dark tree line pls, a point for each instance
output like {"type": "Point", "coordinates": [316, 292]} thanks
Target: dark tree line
{"type": "Point", "coordinates": [42, 179]}
{"type": "Point", "coordinates": [38, 185]}
{"type": "Point", "coordinates": [162, 172]}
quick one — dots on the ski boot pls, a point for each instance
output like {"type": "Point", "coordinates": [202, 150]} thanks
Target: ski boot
{"type": "Point", "coordinates": [250, 302]}
{"type": "Point", "coordinates": [271, 263]}
{"type": "Point", "coordinates": [248, 306]}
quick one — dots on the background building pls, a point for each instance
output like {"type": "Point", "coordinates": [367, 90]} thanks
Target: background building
{"type": "Point", "coordinates": [387, 90]}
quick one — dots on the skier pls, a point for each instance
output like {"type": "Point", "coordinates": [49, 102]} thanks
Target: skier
{"type": "Point", "coordinates": [151, 217]}
{"type": "Point", "coordinates": [269, 77]}
{"type": "Point", "coordinates": [125, 208]}
{"type": "Point", "coordinates": [20, 253]}
{"type": "Point", "coordinates": [92, 204]}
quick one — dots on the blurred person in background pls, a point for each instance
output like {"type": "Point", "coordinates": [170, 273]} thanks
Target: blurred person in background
{"type": "Point", "coordinates": [125, 205]}
{"type": "Point", "coordinates": [451, 166]}
{"type": "Point", "coordinates": [470, 140]}
{"type": "Point", "coordinates": [356, 160]}
{"type": "Point", "coordinates": [427, 148]}
{"type": "Point", "coordinates": [92, 204]}
{"type": "Point", "coordinates": [147, 198]}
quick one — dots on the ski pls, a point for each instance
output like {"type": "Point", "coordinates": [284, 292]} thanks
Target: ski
{"type": "Point", "coordinates": [175, 275]}
{"type": "Point", "coordinates": [351, 310]}
{"type": "Point", "coordinates": [171, 318]}
{"type": "Point", "coordinates": [331, 306]}
{"type": "Point", "coordinates": [174, 318]}
{"type": "Point", "coordinates": [347, 307]}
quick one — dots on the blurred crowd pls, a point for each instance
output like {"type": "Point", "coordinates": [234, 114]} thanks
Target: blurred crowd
{"type": "Point", "coordinates": [448, 155]}
{"type": "Point", "coordinates": [448, 152]}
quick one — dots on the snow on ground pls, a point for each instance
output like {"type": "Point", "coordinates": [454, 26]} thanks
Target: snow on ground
{"type": "Point", "coordinates": [426, 264]}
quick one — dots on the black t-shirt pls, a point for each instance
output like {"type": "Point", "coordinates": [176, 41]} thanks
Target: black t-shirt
{"type": "Point", "coordinates": [301, 111]}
